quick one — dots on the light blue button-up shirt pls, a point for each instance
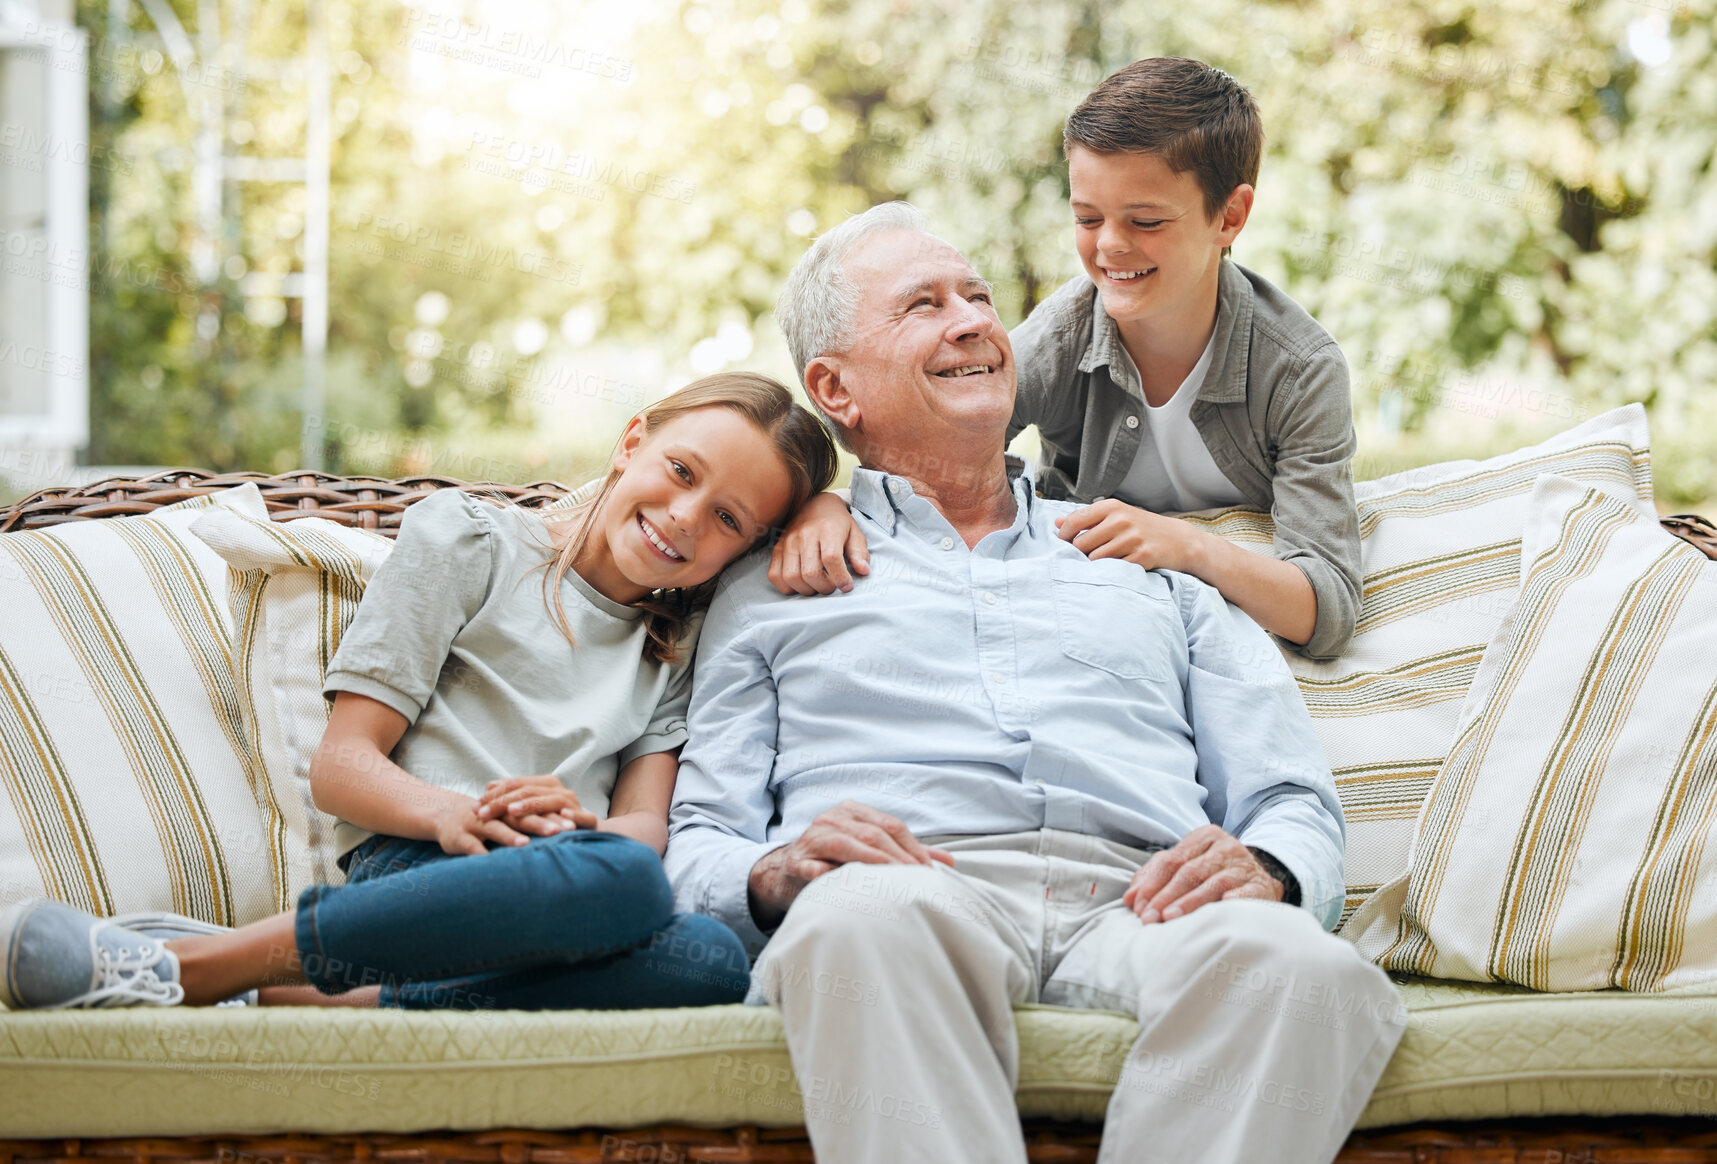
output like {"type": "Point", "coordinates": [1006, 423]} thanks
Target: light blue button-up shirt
{"type": "Point", "coordinates": [1013, 686]}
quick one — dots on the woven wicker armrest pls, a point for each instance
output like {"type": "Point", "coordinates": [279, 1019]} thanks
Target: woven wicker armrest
{"type": "Point", "coordinates": [1633, 1141]}
{"type": "Point", "coordinates": [372, 503]}
{"type": "Point", "coordinates": [1695, 530]}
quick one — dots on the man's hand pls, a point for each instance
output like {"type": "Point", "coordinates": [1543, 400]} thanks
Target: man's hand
{"type": "Point", "coordinates": [1207, 865]}
{"type": "Point", "coordinates": [1114, 529]}
{"type": "Point", "coordinates": [539, 805]}
{"type": "Point", "coordinates": [813, 551]}
{"type": "Point", "coordinates": [846, 833]}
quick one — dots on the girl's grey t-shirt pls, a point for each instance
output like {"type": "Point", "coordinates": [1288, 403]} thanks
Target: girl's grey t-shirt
{"type": "Point", "coordinates": [455, 633]}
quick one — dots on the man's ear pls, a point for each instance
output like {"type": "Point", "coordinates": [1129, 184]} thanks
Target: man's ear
{"type": "Point", "coordinates": [828, 392]}
{"type": "Point", "coordinates": [1235, 212]}
{"type": "Point", "coordinates": [630, 440]}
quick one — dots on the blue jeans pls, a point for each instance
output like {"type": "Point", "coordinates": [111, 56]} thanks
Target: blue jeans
{"type": "Point", "coordinates": [580, 920]}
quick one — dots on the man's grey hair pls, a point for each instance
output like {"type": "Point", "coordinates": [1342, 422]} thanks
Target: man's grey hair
{"type": "Point", "coordinates": [818, 304]}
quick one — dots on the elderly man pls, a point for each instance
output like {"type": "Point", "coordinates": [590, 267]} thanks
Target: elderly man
{"type": "Point", "coordinates": [997, 772]}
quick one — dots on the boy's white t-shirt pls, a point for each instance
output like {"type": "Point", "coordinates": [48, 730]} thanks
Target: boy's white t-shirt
{"type": "Point", "coordinates": [1173, 471]}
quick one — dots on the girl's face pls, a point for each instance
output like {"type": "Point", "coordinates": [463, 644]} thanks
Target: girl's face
{"type": "Point", "coordinates": [692, 496]}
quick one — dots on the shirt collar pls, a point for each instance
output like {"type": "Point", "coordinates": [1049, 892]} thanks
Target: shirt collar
{"type": "Point", "coordinates": [886, 498]}
{"type": "Point", "coordinates": [1225, 380]}
{"type": "Point", "coordinates": [1105, 343]}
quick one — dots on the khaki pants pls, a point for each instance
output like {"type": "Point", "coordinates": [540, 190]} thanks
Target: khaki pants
{"type": "Point", "coordinates": [1261, 1036]}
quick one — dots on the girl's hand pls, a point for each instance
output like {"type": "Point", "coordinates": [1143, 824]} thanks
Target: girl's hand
{"type": "Point", "coordinates": [812, 553]}
{"type": "Point", "coordinates": [1114, 529]}
{"type": "Point", "coordinates": [539, 805]}
{"type": "Point", "coordinates": [460, 830]}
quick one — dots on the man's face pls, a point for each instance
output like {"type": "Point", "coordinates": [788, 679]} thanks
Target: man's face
{"type": "Point", "coordinates": [928, 358]}
{"type": "Point", "coordinates": [1142, 233]}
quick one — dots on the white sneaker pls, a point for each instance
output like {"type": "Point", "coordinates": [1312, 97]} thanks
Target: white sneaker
{"type": "Point", "coordinates": [53, 955]}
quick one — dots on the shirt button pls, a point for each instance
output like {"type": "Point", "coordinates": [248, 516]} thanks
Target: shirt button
{"type": "Point", "coordinates": [1132, 422]}
{"type": "Point", "coordinates": [999, 679]}
{"type": "Point", "coordinates": [989, 599]}
{"type": "Point", "coordinates": [947, 543]}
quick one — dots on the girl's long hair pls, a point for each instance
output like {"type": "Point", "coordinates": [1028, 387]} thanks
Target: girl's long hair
{"type": "Point", "coordinates": [800, 441]}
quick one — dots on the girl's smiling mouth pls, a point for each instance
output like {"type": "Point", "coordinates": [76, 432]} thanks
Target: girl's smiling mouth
{"type": "Point", "coordinates": [657, 541]}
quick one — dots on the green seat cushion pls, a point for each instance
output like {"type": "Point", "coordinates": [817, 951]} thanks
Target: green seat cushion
{"type": "Point", "coordinates": [1470, 1052]}
{"type": "Point", "coordinates": [1479, 1051]}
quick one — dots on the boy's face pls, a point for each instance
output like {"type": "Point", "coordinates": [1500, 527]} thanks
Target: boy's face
{"type": "Point", "coordinates": [1142, 234]}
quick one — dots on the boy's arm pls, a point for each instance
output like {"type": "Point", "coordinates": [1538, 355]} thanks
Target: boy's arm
{"type": "Point", "coordinates": [1317, 527]}
{"type": "Point", "coordinates": [1275, 593]}
{"type": "Point", "coordinates": [1308, 591]}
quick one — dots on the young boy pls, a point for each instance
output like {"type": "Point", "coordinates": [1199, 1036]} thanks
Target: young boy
{"type": "Point", "coordinates": [1169, 378]}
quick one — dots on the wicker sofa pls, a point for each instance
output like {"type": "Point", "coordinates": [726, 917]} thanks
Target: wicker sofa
{"type": "Point", "coordinates": [1485, 1073]}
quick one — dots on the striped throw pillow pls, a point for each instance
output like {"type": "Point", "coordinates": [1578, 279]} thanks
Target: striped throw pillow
{"type": "Point", "coordinates": [1565, 844]}
{"type": "Point", "coordinates": [577, 497]}
{"type": "Point", "coordinates": [295, 588]}
{"type": "Point", "coordinates": [1441, 553]}
{"type": "Point", "coordinates": [129, 781]}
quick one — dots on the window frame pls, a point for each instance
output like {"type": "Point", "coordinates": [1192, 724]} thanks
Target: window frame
{"type": "Point", "coordinates": [65, 175]}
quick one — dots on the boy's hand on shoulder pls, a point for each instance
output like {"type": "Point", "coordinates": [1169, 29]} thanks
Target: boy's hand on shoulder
{"type": "Point", "coordinates": [539, 805]}
{"type": "Point", "coordinates": [813, 552]}
{"type": "Point", "coordinates": [1114, 529]}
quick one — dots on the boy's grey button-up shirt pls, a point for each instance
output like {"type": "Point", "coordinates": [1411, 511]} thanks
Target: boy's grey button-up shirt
{"type": "Point", "coordinates": [1274, 411]}
{"type": "Point", "coordinates": [1010, 687]}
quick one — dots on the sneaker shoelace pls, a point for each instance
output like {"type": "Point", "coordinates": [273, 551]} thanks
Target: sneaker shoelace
{"type": "Point", "coordinates": [127, 979]}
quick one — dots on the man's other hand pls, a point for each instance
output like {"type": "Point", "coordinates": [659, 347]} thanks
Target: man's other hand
{"type": "Point", "coordinates": [1207, 865]}
{"type": "Point", "coordinates": [846, 833]}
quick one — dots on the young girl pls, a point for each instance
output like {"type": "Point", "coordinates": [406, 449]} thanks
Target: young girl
{"type": "Point", "coordinates": [1169, 378]}
{"type": "Point", "coordinates": [501, 753]}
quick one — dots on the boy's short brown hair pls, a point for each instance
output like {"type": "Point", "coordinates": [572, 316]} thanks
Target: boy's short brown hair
{"type": "Point", "coordinates": [1188, 114]}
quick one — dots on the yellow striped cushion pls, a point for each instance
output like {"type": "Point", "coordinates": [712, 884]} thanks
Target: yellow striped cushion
{"type": "Point", "coordinates": [1565, 842]}
{"type": "Point", "coordinates": [1441, 553]}
{"type": "Point", "coordinates": [583, 493]}
{"type": "Point", "coordinates": [129, 783]}
{"type": "Point", "coordinates": [295, 588]}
